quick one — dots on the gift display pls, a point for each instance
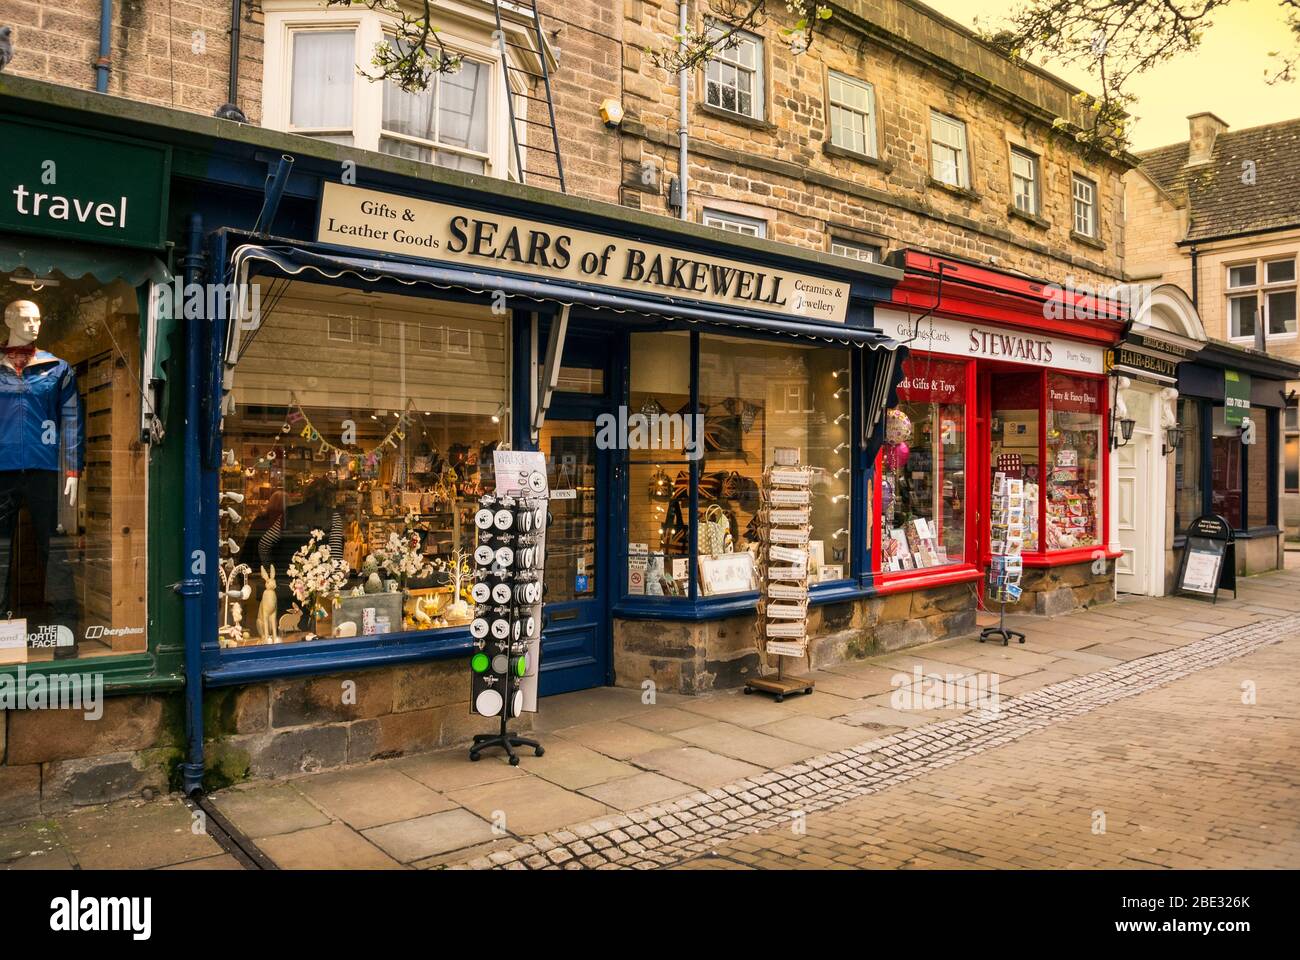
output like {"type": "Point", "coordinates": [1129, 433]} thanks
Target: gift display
{"type": "Point", "coordinates": [1006, 563]}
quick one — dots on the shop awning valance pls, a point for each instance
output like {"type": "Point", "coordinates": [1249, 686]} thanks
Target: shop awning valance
{"type": "Point", "coordinates": [882, 375]}
{"type": "Point", "coordinates": [293, 261]}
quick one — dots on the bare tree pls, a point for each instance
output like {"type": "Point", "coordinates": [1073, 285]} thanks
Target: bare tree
{"type": "Point", "coordinates": [415, 54]}
{"type": "Point", "coordinates": [1115, 40]}
{"type": "Point", "coordinates": [727, 18]}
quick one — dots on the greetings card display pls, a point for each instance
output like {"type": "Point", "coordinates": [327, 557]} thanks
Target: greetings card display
{"type": "Point", "coordinates": [507, 594]}
{"type": "Point", "coordinates": [783, 561]}
{"type": "Point", "coordinates": [1008, 527]}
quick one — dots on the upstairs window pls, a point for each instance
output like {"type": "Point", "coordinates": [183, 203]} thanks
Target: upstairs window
{"type": "Point", "coordinates": [447, 123]}
{"type": "Point", "coordinates": [733, 79]}
{"type": "Point", "coordinates": [949, 162]}
{"type": "Point", "coordinates": [856, 251]}
{"type": "Point", "coordinates": [324, 66]}
{"type": "Point", "coordinates": [852, 114]}
{"type": "Point", "coordinates": [735, 223]}
{"type": "Point", "coordinates": [1085, 206]}
{"type": "Point", "coordinates": [1262, 292]}
{"type": "Point", "coordinates": [1024, 181]}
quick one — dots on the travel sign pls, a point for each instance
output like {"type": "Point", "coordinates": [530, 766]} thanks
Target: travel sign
{"type": "Point", "coordinates": [367, 219]}
{"type": "Point", "coordinates": [82, 186]}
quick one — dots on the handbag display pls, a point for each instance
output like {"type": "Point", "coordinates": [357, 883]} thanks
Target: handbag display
{"type": "Point", "coordinates": [715, 535]}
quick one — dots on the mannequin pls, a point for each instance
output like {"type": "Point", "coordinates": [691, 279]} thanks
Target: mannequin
{"type": "Point", "coordinates": [42, 435]}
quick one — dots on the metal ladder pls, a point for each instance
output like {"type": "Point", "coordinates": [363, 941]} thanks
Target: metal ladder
{"type": "Point", "coordinates": [527, 10]}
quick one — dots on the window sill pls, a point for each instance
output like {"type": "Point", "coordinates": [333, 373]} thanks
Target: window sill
{"type": "Point", "coordinates": [1061, 558]}
{"type": "Point", "coordinates": [906, 580]}
{"type": "Point", "coordinates": [832, 150]}
{"type": "Point", "coordinates": [252, 664]}
{"type": "Point", "coordinates": [745, 121]}
{"type": "Point", "coordinates": [719, 608]}
{"type": "Point", "coordinates": [1086, 240]}
{"type": "Point", "coordinates": [966, 193]}
{"type": "Point", "coordinates": [1033, 219]}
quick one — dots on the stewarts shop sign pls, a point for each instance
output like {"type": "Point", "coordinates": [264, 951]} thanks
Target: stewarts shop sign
{"type": "Point", "coordinates": [990, 342]}
{"type": "Point", "coordinates": [370, 220]}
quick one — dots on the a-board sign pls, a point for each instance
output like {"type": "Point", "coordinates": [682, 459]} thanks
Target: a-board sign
{"type": "Point", "coordinates": [1209, 561]}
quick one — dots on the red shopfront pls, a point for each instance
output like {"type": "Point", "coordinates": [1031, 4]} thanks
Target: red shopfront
{"type": "Point", "coordinates": [1005, 376]}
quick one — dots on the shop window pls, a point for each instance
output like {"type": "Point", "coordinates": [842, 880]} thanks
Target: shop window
{"type": "Point", "coordinates": [1226, 492]}
{"type": "Point", "coordinates": [949, 162]}
{"type": "Point", "coordinates": [1084, 192]}
{"type": "Point", "coordinates": [1189, 492]}
{"type": "Point", "coordinates": [1015, 432]}
{"type": "Point", "coordinates": [356, 470]}
{"type": "Point", "coordinates": [324, 69]}
{"type": "Point", "coordinates": [1291, 465]}
{"type": "Point", "coordinates": [733, 78]}
{"type": "Point", "coordinates": [1024, 181]}
{"type": "Point", "coordinates": [923, 468]}
{"type": "Point", "coordinates": [72, 471]}
{"type": "Point", "coordinates": [659, 468]}
{"type": "Point", "coordinates": [1073, 480]}
{"type": "Point", "coordinates": [755, 397]}
{"type": "Point", "coordinates": [1261, 466]}
{"type": "Point", "coordinates": [446, 123]}
{"type": "Point", "coordinates": [853, 111]}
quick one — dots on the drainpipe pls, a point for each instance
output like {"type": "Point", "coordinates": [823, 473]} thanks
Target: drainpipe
{"type": "Point", "coordinates": [236, 8]}
{"type": "Point", "coordinates": [105, 45]}
{"type": "Point", "coordinates": [1196, 283]}
{"type": "Point", "coordinates": [274, 190]}
{"type": "Point", "coordinates": [190, 586]}
{"type": "Point", "coordinates": [682, 114]}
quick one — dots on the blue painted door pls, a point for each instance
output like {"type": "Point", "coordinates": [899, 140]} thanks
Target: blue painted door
{"type": "Point", "coordinates": [575, 618]}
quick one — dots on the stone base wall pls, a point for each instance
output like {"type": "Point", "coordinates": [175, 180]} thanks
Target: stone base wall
{"type": "Point", "coordinates": [694, 657]}
{"type": "Point", "coordinates": [54, 760]}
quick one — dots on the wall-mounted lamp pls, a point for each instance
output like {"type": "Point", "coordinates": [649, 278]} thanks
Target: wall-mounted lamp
{"type": "Point", "coordinates": [840, 447]}
{"type": "Point", "coordinates": [840, 472]}
{"type": "Point", "coordinates": [1121, 428]}
{"type": "Point", "coordinates": [840, 392]}
{"type": "Point", "coordinates": [1173, 438]}
{"type": "Point", "coordinates": [839, 533]}
{"type": "Point", "coordinates": [611, 112]}
{"type": "Point", "coordinates": [500, 412]}
{"type": "Point", "coordinates": [838, 497]}
{"type": "Point", "coordinates": [842, 372]}
{"type": "Point", "coordinates": [840, 419]}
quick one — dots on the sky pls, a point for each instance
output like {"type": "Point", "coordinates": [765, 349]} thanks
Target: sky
{"type": "Point", "coordinates": [1225, 76]}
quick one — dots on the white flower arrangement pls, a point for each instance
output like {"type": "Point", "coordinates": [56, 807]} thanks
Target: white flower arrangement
{"type": "Point", "coordinates": [315, 575]}
{"type": "Point", "coordinates": [402, 559]}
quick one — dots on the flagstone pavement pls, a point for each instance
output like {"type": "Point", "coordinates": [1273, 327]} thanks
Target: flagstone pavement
{"type": "Point", "coordinates": [1122, 738]}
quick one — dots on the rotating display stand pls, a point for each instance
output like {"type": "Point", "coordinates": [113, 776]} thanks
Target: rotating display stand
{"type": "Point", "coordinates": [1008, 524]}
{"type": "Point", "coordinates": [508, 563]}
{"type": "Point", "coordinates": [784, 525]}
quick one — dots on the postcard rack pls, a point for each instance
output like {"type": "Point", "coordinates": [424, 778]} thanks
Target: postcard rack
{"type": "Point", "coordinates": [784, 525]}
{"type": "Point", "coordinates": [1008, 524]}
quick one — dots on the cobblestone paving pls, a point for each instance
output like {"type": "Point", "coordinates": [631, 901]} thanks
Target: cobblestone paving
{"type": "Point", "coordinates": [705, 822]}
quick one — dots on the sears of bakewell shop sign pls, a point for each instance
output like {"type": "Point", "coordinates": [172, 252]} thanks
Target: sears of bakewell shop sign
{"type": "Point", "coordinates": [958, 338]}
{"type": "Point", "coordinates": [355, 217]}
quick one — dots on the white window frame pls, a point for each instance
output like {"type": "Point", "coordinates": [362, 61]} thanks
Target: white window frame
{"type": "Point", "coordinates": [865, 252]}
{"type": "Point", "coordinates": [1033, 181]}
{"type": "Point", "coordinates": [867, 116]}
{"type": "Point", "coordinates": [733, 222]}
{"type": "Point", "coordinates": [942, 123]}
{"type": "Point", "coordinates": [470, 37]}
{"type": "Point", "coordinates": [727, 56]}
{"type": "Point", "coordinates": [1083, 207]}
{"type": "Point", "coordinates": [1260, 292]}
{"type": "Point", "coordinates": [435, 145]}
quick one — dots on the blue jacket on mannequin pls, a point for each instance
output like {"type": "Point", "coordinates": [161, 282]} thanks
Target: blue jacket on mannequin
{"type": "Point", "coordinates": [41, 416]}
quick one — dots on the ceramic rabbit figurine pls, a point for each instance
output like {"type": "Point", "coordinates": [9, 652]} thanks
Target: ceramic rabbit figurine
{"type": "Point", "coordinates": [267, 627]}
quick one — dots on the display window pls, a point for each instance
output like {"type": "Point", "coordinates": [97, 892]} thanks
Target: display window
{"type": "Point", "coordinates": [756, 396]}
{"type": "Point", "coordinates": [923, 491]}
{"type": "Point", "coordinates": [1261, 469]}
{"type": "Point", "coordinates": [72, 471]}
{"type": "Point", "coordinates": [1226, 470]}
{"type": "Point", "coordinates": [1074, 445]}
{"type": "Point", "coordinates": [1014, 435]}
{"type": "Point", "coordinates": [753, 397]}
{"type": "Point", "coordinates": [360, 438]}
{"type": "Point", "coordinates": [1189, 487]}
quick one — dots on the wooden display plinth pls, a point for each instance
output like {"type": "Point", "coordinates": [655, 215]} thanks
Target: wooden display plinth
{"type": "Point", "coordinates": [780, 686]}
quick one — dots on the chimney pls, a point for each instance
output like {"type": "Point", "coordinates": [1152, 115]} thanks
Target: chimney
{"type": "Point", "coordinates": [1203, 130]}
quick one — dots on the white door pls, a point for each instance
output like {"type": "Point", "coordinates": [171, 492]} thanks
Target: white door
{"type": "Point", "coordinates": [1133, 506]}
